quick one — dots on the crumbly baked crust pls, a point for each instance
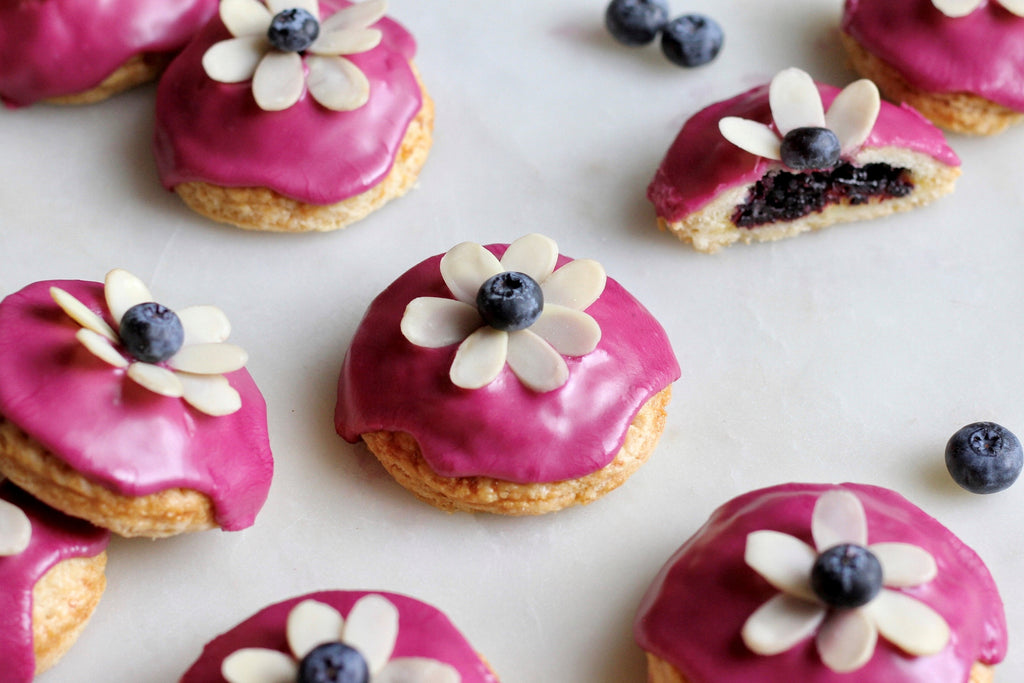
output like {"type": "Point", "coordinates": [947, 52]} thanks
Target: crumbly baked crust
{"type": "Point", "coordinates": [959, 111]}
{"type": "Point", "coordinates": [62, 602]}
{"type": "Point", "coordinates": [400, 455]}
{"type": "Point", "coordinates": [33, 468]}
{"type": "Point", "coordinates": [261, 208]}
{"type": "Point", "coordinates": [712, 227]}
{"type": "Point", "coordinates": [137, 70]}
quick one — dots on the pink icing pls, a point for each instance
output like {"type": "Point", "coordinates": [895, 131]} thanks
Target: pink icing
{"type": "Point", "coordinates": [502, 430]}
{"type": "Point", "coordinates": [55, 537]}
{"type": "Point", "coordinates": [215, 133]}
{"type": "Point", "coordinates": [50, 48]}
{"type": "Point", "coordinates": [692, 614]}
{"type": "Point", "coordinates": [981, 53]}
{"type": "Point", "coordinates": [116, 433]}
{"type": "Point", "coordinates": [701, 163]}
{"type": "Point", "coordinates": [423, 631]}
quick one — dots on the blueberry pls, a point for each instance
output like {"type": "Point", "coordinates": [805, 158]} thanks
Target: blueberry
{"type": "Point", "coordinates": [333, 663]}
{"type": "Point", "coordinates": [151, 332]}
{"type": "Point", "coordinates": [510, 301]}
{"type": "Point", "coordinates": [692, 40]}
{"type": "Point", "coordinates": [984, 457]}
{"type": "Point", "coordinates": [846, 575]}
{"type": "Point", "coordinates": [293, 30]}
{"type": "Point", "coordinates": [810, 148]}
{"type": "Point", "coordinates": [635, 22]}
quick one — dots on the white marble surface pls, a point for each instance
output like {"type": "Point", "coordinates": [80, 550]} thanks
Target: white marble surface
{"type": "Point", "coordinates": [850, 354]}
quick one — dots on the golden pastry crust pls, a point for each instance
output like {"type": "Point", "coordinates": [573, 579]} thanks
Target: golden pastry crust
{"type": "Point", "coordinates": [960, 112]}
{"type": "Point", "coordinates": [29, 465]}
{"type": "Point", "coordinates": [400, 455]}
{"type": "Point", "coordinates": [136, 71]}
{"type": "Point", "coordinates": [260, 208]}
{"type": "Point", "coordinates": [712, 228]}
{"type": "Point", "coordinates": [62, 602]}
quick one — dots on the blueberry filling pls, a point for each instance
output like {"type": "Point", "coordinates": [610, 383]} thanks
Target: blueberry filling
{"type": "Point", "coordinates": [293, 30]}
{"type": "Point", "coordinates": [333, 663]}
{"type": "Point", "coordinates": [785, 196]}
{"type": "Point", "coordinates": [510, 301]}
{"type": "Point", "coordinates": [151, 333]}
{"type": "Point", "coordinates": [846, 576]}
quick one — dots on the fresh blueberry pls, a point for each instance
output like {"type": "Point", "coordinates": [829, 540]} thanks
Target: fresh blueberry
{"type": "Point", "coordinates": [692, 40]}
{"type": "Point", "coordinates": [984, 457]}
{"type": "Point", "coordinates": [635, 22]}
{"type": "Point", "coordinates": [151, 332]}
{"type": "Point", "coordinates": [808, 148]}
{"type": "Point", "coordinates": [333, 663]}
{"type": "Point", "coordinates": [293, 30]}
{"type": "Point", "coordinates": [510, 301]}
{"type": "Point", "coordinates": [846, 575]}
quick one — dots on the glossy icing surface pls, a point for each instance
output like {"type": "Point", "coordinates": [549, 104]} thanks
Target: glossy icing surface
{"type": "Point", "coordinates": [55, 537]}
{"type": "Point", "coordinates": [60, 47]}
{"type": "Point", "coordinates": [113, 431]}
{"type": "Point", "coordinates": [701, 163]}
{"type": "Point", "coordinates": [215, 132]}
{"type": "Point", "coordinates": [423, 631]}
{"type": "Point", "coordinates": [503, 430]}
{"type": "Point", "coordinates": [693, 612]}
{"type": "Point", "coordinates": [981, 53]}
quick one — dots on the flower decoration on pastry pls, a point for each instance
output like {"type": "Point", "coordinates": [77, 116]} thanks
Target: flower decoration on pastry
{"type": "Point", "coordinates": [961, 8]}
{"type": "Point", "coordinates": [15, 529]}
{"type": "Point", "coordinates": [356, 648]}
{"type": "Point", "coordinates": [840, 590]}
{"type": "Point", "coordinates": [274, 44]}
{"type": "Point", "coordinates": [518, 310]}
{"type": "Point", "coordinates": [805, 136]}
{"type": "Point", "coordinates": [179, 354]}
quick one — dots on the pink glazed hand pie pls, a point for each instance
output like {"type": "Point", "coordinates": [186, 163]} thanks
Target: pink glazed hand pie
{"type": "Point", "coordinates": [822, 584]}
{"type": "Point", "coordinates": [118, 410]}
{"type": "Point", "coordinates": [363, 636]}
{"type": "Point", "coordinates": [83, 51]}
{"type": "Point", "coordinates": [271, 127]}
{"type": "Point", "coordinates": [507, 379]}
{"type": "Point", "coordinates": [773, 163]}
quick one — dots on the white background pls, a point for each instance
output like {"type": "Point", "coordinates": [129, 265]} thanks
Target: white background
{"type": "Point", "coordinates": [847, 355]}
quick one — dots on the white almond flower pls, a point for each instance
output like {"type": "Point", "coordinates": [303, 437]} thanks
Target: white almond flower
{"type": "Point", "coordinates": [533, 347]}
{"type": "Point", "coordinates": [796, 106]}
{"type": "Point", "coordinates": [961, 8]}
{"type": "Point", "coordinates": [846, 636]}
{"type": "Point", "coordinates": [276, 60]}
{"type": "Point", "coordinates": [371, 629]}
{"type": "Point", "coordinates": [193, 372]}
{"type": "Point", "coordinates": [15, 529]}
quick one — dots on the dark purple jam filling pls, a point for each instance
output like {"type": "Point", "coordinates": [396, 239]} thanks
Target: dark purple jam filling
{"type": "Point", "coordinates": [785, 196]}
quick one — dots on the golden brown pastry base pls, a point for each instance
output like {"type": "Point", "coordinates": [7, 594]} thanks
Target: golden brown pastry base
{"type": "Point", "coordinates": [62, 602]}
{"type": "Point", "coordinates": [660, 671]}
{"type": "Point", "coordinates": [136, 71]}
{"type": "Point", "coordinates": [260, 208]}
{"type": "Point", "coordinates": [400, 455]}
{"type": "Point", "coordinates": [30, 466]}
{"type": "Point", "coordinates": [711, 228]}
{"type": "Point", "coordinates": [960, 112]}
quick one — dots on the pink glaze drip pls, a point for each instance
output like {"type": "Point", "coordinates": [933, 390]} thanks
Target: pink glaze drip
{"type": "Point", "coordinates": [116, 433]}
{"type": "Point", "coordinates": [215, 133]}
{"type": "Point", "coordinates": [50, 48]}
{"type": "Point", "coordinates": [981, 53]}
{"type": "Point", "coordinates": [692, 614]}
{"type": "Point", "coordinates": [701, 163]}
{"type": "Point", "coordinates": [423, 631]}
{"type": "Point", "coordinates": [55, 537]}
{"type": "Point", "coordinates": [503, 430]}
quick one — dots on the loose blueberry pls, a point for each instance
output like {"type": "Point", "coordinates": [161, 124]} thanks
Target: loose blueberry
{"type": "Point", "coordinates": [293, 30]}
{"type": "Point", "coordinates": [151, 332]}
{"type": "Point", "coordinates": [846, 575]}
{"type": "Point", "coordinates": [808, 148]}
{"type": "Point", "coordinates": [635, 22]}
{"type": "Point", "coordinates": [692, 40]}
{"type": "Point", "coordinates": [510, 301]}
{"type": "Point", "coordinates": [984, 457]}
{"type": "Point", "coordinates": [333, 663]}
